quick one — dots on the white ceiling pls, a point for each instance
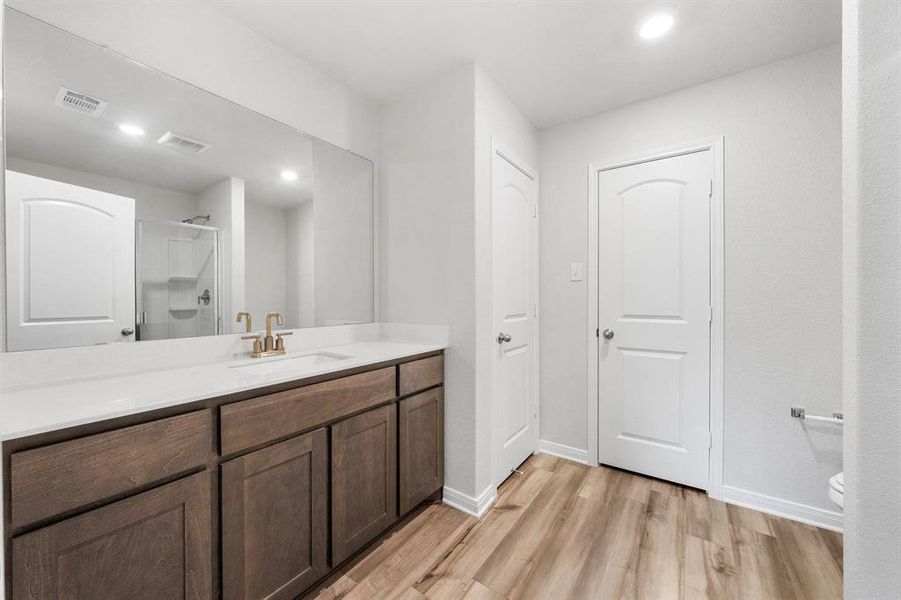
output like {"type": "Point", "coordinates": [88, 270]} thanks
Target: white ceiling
{"type": "Point", "coordinates": [558, 60]}
{"type": "Point", "coordinates": [40, 58]}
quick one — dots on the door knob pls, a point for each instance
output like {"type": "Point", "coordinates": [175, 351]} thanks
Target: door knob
{"type": "Point", "coordinates": [608, 334]}
{"type": "Point", "coordinates": [503, 337]}
{"type": "Point", "coordinates": [127, 331]}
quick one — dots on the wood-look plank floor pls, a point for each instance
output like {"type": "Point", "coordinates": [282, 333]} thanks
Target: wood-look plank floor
{"type": "Point", "coordinates": [564, 530]}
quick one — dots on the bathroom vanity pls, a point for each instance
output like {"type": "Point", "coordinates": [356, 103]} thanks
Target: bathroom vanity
{"type": "Point", "coordinates": [258, 493]}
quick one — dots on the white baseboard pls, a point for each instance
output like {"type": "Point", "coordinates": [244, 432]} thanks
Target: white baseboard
{"type": "Point", "coordinates": [563, 451]}
{"type": "Point", "coordinates": [476, 507]}
{"type": "Point", "coordinates": [820, 517]}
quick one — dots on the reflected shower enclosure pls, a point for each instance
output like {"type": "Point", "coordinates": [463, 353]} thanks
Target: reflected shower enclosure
{"type": "Point", "coordinates": [177, 291]}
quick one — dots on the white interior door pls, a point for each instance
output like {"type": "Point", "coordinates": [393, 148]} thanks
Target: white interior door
{"type": "Point", "coordinates": [70, 264]}
{"type": "Point", "coordinates": [654, 316]}
{"type": "Point", "coordinates": [514, 197]}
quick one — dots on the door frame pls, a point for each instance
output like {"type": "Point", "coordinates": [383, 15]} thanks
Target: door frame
{"type": "Point", "coordinates": [503, 152]}
{"type": "Point", "coordinates": [717, 279]}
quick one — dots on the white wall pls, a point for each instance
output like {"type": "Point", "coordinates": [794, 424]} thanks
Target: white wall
{"type": "Point", "coordinates": [343, 236]}
{"type": "Point", "coordinates": [299, 277]}
{"type": "Point", "coordinates": [426, 179]}
{"type": "Point", "coordinates": [264, 262]}
{"type": "Point", "coordinates": [872, 295]}
{"type": "Point", "coordinates": [782, 131]}
{"type": "Point", "coordinates": [151, 202]}
{"type": "Point", "coordinates": [211, 50]}
{"type": "Point", "coordinates": [224, 203]}
{"type": "Point", "coordinates": [496, 117]}
{"type": "Point", "coordinates": [435, 241]}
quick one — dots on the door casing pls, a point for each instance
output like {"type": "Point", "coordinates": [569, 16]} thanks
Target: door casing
{"type": "Point", "coordinates": [717, 265]}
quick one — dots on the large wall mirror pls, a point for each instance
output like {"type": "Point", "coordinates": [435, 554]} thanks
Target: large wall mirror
{"type": "Point", "coordinates": [139, 207]}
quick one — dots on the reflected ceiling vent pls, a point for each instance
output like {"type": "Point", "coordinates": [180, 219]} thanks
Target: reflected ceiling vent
{"type": "Point", "coordinates": [79, 102]}
{"type": "Point", "coordinates": [182, 143]}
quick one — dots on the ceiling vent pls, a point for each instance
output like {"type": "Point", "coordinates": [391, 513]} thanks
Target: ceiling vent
{"type": "Point", "coordinates": [182, 143]}
{"type": "Point", "coordinates": [79, 102]}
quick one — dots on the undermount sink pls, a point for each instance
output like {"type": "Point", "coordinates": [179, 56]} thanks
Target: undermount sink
{"type": "Point", "coordinates": [289, 363]}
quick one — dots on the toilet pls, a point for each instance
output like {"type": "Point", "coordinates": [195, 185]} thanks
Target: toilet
{"type": "Point", "coordinates": [837, 489]}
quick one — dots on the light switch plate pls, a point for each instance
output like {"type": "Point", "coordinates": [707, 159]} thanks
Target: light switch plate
{"type": "Point", "coordinates": [575, 271]}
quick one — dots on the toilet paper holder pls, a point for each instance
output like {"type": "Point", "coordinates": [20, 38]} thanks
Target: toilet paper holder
{"type": "Point", "coordinates": [800, 413]}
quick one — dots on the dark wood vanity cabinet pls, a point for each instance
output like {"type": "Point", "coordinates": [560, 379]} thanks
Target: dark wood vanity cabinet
{"type": "Point", "coordinates": [253, 497]}
{"type": "Point", "coordinates": [155, 545]}
{"type": "Point", "coordinates": [275, 519]}
{"type": "Point", "coordinates": [421, 447]}
{"type": "Point", "coordinates": [364, 471]}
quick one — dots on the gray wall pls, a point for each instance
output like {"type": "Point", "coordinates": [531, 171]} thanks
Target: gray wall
{"type": "Point", "coordinates": [782, 129]}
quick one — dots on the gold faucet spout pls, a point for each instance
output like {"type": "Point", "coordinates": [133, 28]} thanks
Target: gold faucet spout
{"type": "Point", "coordinates": [246, 317]}
{"type": "Point", "coordinates": [268, 344]}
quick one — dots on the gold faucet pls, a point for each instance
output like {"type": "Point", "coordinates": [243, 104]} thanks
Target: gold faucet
{"type": "Point", "coordinates": [268, 346]}
{"type": "Point", "coordinates": [246, 315]}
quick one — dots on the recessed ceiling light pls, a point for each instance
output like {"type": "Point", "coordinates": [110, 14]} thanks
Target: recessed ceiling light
{"type": "Point", "coordinates": [289, 175]}
{"type": "Point", "coordinates": [655, 26]}
{"type": "Point", "coordinates": [129, 129]}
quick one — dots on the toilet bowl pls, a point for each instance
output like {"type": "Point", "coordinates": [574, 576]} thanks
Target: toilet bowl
{"type": "Point", "coordinates": [837, 489]}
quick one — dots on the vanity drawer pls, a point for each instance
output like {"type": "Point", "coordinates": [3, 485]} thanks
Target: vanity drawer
{"type": "Point", "coordinates": [421, 374]}
{"type": "Point", "coordinates": [54, 479]}
{"type": "Point", "coordinates": [267, 418]}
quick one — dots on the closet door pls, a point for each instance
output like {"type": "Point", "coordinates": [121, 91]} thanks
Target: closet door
{"type": "Point", "coordinates": [275, 518]}
{"type": "Point", "coordinates": [364, 479]}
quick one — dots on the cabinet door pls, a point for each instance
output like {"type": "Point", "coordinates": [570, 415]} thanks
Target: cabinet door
{"type": "Point", "coordinates": [421, 447]}
{"type": "Point", "coordinates": [152, 545]}
{"type": "Point", "coordinates": [275, 519]}
{"type": "Point", "coordinates": [364, 479]}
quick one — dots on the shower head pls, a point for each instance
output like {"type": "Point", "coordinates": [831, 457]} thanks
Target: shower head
{"type": "Point", "coordinates": [193, 220]}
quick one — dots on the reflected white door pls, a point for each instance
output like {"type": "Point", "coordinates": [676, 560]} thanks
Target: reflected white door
{"type": "Point", "coordinates": [70, 264]}
{"type": "Point", "coordinates": [514, 197]}
{"type": "Point", "coordinates": [654, 316]}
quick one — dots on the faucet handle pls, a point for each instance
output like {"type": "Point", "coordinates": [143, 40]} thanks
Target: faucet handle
{"type": "Point", "coordinates": [279, 342]}
{"type": "Point", "coordinates": [257, 344]}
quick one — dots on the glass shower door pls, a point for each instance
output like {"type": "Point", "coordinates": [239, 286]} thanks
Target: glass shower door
{"type": "Point", "coordinates": [178, 280]}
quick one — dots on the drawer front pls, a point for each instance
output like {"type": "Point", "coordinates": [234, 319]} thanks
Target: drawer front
{"type": "Point", "coordinates": [54, 479]}
{"type": "Point", "coordinates": [421, 374]}
{"type": "Point", "coordinates": [267, 418]}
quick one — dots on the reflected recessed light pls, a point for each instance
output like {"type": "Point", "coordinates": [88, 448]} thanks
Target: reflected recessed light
{"type": "Point", "coordinates": [655, 26]}
{"type": "Point", "coordinates": [129, 129]}
{"type": "Point", "coordinates": [289, 175]}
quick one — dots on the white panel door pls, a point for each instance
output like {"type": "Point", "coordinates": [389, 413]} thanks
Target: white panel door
{"type": "Point", "coordinates": [654, 316]}
{"type": "Point", "coordinates": [514, 196]}
{"type": "Point", "coordinates": [70, 264]}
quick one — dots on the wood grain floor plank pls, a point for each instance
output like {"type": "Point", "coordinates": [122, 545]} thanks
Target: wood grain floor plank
{"type": "Point", "coordinates": [455, 573]}
{"type": "Point", "coordinates": [401, 561]}
{"type": "Point", "coordinates": [558, 564]}
{"type": "Point", "coordinates": [561, 530]}
{"type": "Point", "coordinates": [513, 559]}
{"type": "Point", "coordinates": [661, 550]}
{"type": "Point", "coordinates": [608, 569]}
{"type": "Point", "coordinates": [814, 573]}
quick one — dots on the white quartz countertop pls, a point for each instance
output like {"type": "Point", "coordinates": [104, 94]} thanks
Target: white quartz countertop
{"type": "Point", "coordinates": [29, 410]}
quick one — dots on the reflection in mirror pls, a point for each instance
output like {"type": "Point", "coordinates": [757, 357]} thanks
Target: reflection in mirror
{"type": "Point", "coordinates": [142, 208]}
